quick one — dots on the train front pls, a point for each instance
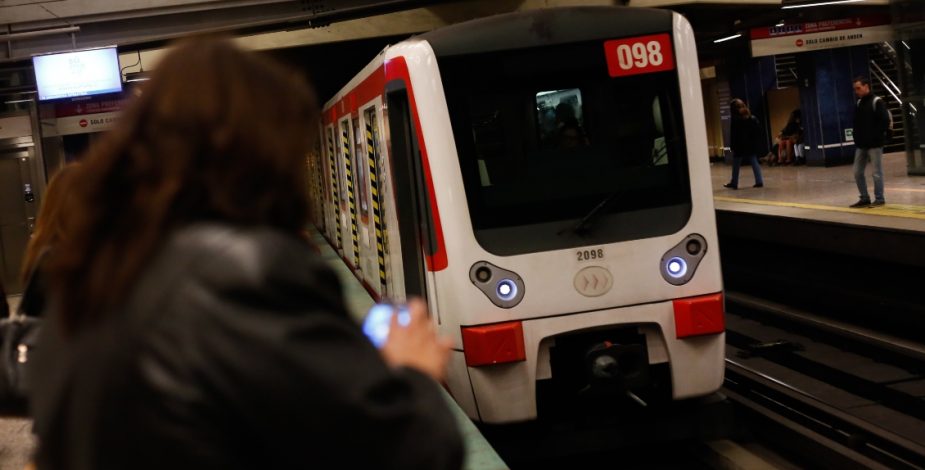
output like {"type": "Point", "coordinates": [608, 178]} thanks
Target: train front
{"type": "Point", "coordinates": [583, 265]}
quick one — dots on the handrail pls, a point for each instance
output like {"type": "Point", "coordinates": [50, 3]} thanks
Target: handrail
{"type": "Point", "coordinates": [894, 55]}
{"type": "Point", "coordinates": [898, 91]}
{"type": "Point", "coordinates": [888, 46]}
{"type": "Point", "coordinates": [887, 88]}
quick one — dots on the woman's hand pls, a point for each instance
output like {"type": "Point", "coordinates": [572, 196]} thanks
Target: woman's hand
{"type": "Point", "coordinates": [417, 345]}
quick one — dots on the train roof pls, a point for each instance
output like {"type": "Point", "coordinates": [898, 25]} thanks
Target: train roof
{"type": "Point", "coordinates": [548, 26]}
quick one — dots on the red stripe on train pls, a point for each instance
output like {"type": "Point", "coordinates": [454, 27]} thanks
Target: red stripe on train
{"type": "Point", "coordinates": [367, 90]}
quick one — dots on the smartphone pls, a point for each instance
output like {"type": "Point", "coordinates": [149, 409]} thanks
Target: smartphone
{"type": "Point", "coordinates": [376, 324]}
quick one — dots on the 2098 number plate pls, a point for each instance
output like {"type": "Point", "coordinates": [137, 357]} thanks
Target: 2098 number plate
{"type": "Point", "coordinates": [590, 255]}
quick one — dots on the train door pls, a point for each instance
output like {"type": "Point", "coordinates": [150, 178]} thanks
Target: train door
{"type": "Point", "coordinates": [374, 162]}
{"type": "Point", "coordinates": [346, 142]}
{"type": "Point", "coordinates": [335, 226]}
{"type": "Point", "coordinates": [411, 202]}
{"type": "Point", "coordinates": [361, 180]}
{"type": "Point", "coordinates": [18, 201]}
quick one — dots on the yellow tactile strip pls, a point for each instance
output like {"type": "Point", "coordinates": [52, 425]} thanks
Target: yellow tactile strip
{"type": "Point", "coordinates": [889, 210]}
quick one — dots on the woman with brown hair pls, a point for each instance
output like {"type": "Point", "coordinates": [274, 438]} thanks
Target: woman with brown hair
{"type": "Point", "coordinates": [745, 134]}
{"type": "Point", "coordinates": [190, 325]}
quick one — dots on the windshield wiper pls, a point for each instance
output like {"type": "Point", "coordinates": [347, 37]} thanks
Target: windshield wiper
{"type": "Point", "coordinates": [581, 227]}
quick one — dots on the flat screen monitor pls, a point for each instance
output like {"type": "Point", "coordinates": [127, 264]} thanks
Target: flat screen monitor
{"type": "Point", "coordinates": [77, 73]}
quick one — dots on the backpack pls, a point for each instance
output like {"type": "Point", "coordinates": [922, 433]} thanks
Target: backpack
{"type": "Point", "coordinates": [889, 129]}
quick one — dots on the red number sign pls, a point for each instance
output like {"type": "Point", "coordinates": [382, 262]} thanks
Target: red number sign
{"type": "Point", "coordinates": [643, 54]}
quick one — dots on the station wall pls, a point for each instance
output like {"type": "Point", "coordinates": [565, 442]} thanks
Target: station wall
{"type": "Point", "coordinates": [826, 99]}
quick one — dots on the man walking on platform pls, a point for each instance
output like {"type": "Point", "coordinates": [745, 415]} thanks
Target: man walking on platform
{"type": "Point", "coordinates": [871, 124]}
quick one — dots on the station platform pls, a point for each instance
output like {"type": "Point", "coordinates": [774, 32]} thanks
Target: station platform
{"type": "Point", "coordinates": [479, 454]}
{"type": "Point", "coordinates": [824, 194]}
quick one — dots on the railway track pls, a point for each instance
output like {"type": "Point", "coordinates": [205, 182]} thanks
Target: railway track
{"type": "Point", "coordinates": [834, 394]}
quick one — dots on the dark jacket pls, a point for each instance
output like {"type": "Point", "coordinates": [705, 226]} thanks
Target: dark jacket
{"type": "Point", "coordinates": [233, 351]}
{"type": "Point", "coordinates": [870, 123]}
{"type": "Point", "coordinates": [745, 135]}
{"type": "Point", "coordinates": [793, 130]}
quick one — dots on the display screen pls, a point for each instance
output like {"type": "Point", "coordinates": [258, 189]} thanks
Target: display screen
{"type": "Point", "coordinates": [377, 323]}
{"type": "Point", "coordinates": [79, 73]}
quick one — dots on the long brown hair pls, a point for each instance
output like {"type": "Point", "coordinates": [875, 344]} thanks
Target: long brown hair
{"type": "Point", "coordinates": [49, 225]}
{"type": "Point", "coordinates": [217, 134]}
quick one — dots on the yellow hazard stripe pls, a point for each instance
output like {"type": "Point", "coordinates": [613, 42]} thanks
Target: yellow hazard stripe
{"type": "Point", "coordinates": [374, 190]}
{"type": "Point", "coordinates": [335, 196]}
{"type": "Point", "coordinates": [887, 210]}
{"type": "Point", "coordinates": [351, 203]}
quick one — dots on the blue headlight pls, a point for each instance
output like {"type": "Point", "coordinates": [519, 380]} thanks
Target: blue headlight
{"type": "Point", "coordinates": [676, 267]}
{"type": "Point", "coordinates": [506, 289]}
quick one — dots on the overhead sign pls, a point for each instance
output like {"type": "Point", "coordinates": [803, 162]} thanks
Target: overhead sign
{"type": "Point", "coordinates": [74, 108]}
{"type": "Point", "coordinates": [643, 54]}
{"type": "Point", "coordinates": [818, 35]}
{"type": "Point", "coordinates": [80, 124]}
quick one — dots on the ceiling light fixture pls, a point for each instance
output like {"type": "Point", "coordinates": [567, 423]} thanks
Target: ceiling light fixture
{"type": "Point", "coordinates": [727, 38]}
{"type": "Point", "coordinates": [818, 4]}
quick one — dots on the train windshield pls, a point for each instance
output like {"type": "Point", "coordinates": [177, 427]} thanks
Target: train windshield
{"type": "Point", "coordinates": [546, 136]}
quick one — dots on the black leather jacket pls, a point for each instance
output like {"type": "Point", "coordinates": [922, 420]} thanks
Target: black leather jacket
{"type": "Point", "coordinates": [233, 351]}
{"type": "Point", "coordinates": [871, 122]}
{"type": "Point", "coordinates": [745, 136]}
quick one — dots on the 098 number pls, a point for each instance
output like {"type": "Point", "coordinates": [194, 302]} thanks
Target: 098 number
{"type": "Point", "coordinates": [640, 55]}
{"type": "Point", "coordinates": [588, 255]}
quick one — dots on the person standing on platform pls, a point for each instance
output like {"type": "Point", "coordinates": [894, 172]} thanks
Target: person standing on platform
{"type": "Point", "coordinates": [190, 325]}
{"type": "Point", "coordinates": [745, 135]}
{"type": "Point", "coordinates": [871, 124]}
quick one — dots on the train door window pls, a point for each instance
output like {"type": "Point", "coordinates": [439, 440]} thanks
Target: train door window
{"type": "Point", "coordinates": [361, 170]}
{"type": "Point", "coordinates": [326, 149]}
{"type": "Point", "coordinates": [342, 144]}
{"type": "Point", "coordinates": [659, 145]}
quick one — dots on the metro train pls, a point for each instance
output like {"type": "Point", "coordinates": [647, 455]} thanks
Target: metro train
{"type": "Point", "coordinates": [541, 178]}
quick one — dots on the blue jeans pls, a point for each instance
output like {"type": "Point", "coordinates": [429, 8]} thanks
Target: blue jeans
{"type": "Point", "coordinates": [755, 167]}
{"type": "Point", "coordinates": [860, 164]}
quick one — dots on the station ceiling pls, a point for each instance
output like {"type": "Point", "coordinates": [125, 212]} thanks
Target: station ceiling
{"type": "Point", "coordinates": [343, 34]}
{"type": "Point", "coordinates": [37, 26]}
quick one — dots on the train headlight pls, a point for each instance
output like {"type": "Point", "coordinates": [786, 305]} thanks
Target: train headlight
{"type": "Point", "coordinates": [503, 288]}
{"type": "Point", "coordinates": [679, 264]}
{"type": "Point", "coordinates": [677, 267]}
{"type": "Point", "coordinates": [507, 290]}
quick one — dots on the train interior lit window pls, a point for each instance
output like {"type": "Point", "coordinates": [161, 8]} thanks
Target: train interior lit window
{"type": "Point", "coordinates": [560, 120]}
{"type": "Point", "coordinates": [362, 168]}
{"type": "Point", "coordinates": [546, 135]}
{"type": "Point", "coordinates": [341, 170]}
